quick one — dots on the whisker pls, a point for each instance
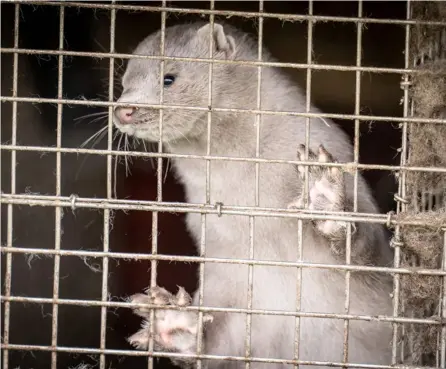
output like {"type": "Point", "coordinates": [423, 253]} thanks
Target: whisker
{"type": "Point", "coordinates": [117, 158]}
{"type": "Point", "coordinates": [102, 130]}
{"type": "Point", "coordinates": [167, 160]}
{"type": "Point", "coordinates": [150, 149]}
{"type": "Point", "coordinates": [83, 117]}
{"type": "Point", "coordinates": [100, 45]}
{"type": "Point", "coordinates": [91, 115]}
{"type": "Point", "coordinates": [167, 169]}
{"type": "Point", "coordinates": [127, 158]}
{"type": "Point", "coordinates": [144, 145]}
{"type": "Point", "coordinates": [98, 119]}
{"type": "Point", "coordinates": [135, 142]}
{"type": "Point", "coordinates": [131, 158]}
{"type": "Point", "coordinates": [182, 134]}
{"type": "Point", "coordinates": [96, 137]}
{"type": "Point", "coordinates": [116, 134]}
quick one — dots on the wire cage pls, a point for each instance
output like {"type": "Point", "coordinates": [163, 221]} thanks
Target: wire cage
{"type": "Point", "coordinates": [80, 234]}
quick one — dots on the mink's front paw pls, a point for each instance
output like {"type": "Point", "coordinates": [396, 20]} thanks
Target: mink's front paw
{"type": "Point", "coordinates": [326, 191]}
{"type": "Point", "coordinates": [174, 330]}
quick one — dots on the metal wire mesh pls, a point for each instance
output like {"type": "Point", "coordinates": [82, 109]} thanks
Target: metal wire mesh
{"type": "Point", "coordinates": [109, 204]}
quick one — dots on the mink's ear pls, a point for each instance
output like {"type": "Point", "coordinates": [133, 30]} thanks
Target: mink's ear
{"type": "Point", "coordinates": [222, 43]}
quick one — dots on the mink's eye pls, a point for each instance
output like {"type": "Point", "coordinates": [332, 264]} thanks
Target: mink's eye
{"type": "Point", "coordinates": [168, 80]}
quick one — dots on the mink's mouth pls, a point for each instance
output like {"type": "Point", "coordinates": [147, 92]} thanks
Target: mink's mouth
{"type": "Point", "coordinates": [134, 128]}
{"type": "Point", "coordinates": [145, 130]}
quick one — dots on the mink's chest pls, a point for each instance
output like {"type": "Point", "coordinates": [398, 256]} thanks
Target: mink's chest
{"type": "Point", "coordinates": [237, 183]}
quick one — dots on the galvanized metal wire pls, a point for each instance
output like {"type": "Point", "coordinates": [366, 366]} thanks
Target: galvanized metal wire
{"type": "Point", "coordinates": [109, 204]}
{"type": "Point", "coordinates": [9, 241]}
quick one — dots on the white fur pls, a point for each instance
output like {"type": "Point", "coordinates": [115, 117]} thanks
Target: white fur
{"type": "Point", "coordinates": [233, 183]}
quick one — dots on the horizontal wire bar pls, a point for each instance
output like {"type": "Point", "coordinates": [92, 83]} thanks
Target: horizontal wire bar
{"type": "Point", "coordinates": [348, 166]}
{"type": "Point", "coordinates": [231, 13]}
{"type": "Point", "coordinates": [85, 102]}
{"type": "Point", "coordinates": [103, 55]}
{"type": "Point", "coordinates": [199, 259]}
{"type": "Point", "coordinates": [116, 304]}
{"type": "Point", "coordinates": [171, 355]}
{"type": "Point", "coordinates": [74, 201]}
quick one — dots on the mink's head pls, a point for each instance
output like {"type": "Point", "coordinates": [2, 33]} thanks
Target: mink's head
{"type": "Point", "coordinates": [184, 82]}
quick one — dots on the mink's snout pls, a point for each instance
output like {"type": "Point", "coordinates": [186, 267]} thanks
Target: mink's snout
{"type": "Point", "coordinates": [125, 115]}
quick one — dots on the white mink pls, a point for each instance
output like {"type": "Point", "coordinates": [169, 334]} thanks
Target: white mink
{"type": "Point", "coordinates": [233, 134]}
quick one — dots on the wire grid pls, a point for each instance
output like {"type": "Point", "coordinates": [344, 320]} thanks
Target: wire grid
{"type": "Point", "coordinates": [109, 204]}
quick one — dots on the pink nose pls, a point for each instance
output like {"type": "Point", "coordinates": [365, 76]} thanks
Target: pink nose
{"type": "Point", "coordinates": [124, 114]}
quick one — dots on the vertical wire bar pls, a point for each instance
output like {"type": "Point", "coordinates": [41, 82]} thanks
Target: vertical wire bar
{"type": "Point", "coordinates": [443, 308]}
{"type": "Point", "coordinates": [201, 289]}
{"type": "Point", "coordinates": [249, 294]}
{"type": "Point", "coordinates": [58, 210]}
{"type": "Point", "coordinates": [298, 292]}
{"type": "Point", "coordinates": [208, 191]}
{"type": "Point", "coordinates": [258, 122]}
{"type": "Point", "coordinates": [418, 194]}
{"type": "Point", "coordinates": [355, 183]}
{"type": "Point", "coordinates": [209, 114]}
{"type": "Point", "coordinates": [107, 218]}
{"type": "Point", "coordinates": [401, 206]}
{"type": "Point", "coordinates": [8, 273]}
{"type": "Point", "coordinates": [347, 293]}
{"type": "Point", "coordinates": [418, 203]}
{"type": "Point", "coordinates": [357, 103]}
{"type": "Point", "coordinates": [308, 96]}
{"type": "Point", "coordinates": [305, 185]}
{"type": "Point", "coordinates": [159, 197]}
